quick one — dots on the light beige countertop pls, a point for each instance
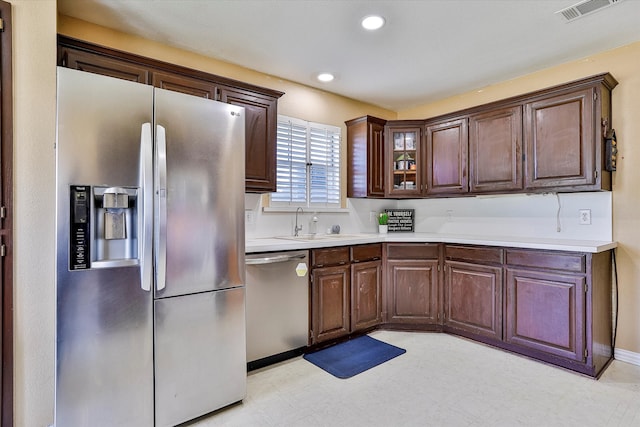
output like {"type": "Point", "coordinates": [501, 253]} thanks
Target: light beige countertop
{"type": "Point", "coordinates": [287, 243]}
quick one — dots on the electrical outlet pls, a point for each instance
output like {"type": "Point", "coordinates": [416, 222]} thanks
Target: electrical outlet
{"type": "Point", "coordinates": [249, 217]}
{"type": "Point", "coordinates": [373, 217]}
{"type": "Point", "coordinates": [584, 216]}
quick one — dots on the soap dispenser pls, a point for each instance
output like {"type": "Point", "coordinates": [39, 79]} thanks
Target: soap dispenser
{"type": "Point", "coordinates": [313, 225]}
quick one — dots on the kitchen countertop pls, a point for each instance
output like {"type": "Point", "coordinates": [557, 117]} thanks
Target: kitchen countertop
{"type": "Point", "coordinates": [286, 243]}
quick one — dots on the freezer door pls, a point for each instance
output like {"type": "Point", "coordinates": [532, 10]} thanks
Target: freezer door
{"type": "Point", "coordinates": [200, 194]}
{"type": "Point", "coordinates": [104, 348]}
{"type": "Point", "coordinates": [200, 354]}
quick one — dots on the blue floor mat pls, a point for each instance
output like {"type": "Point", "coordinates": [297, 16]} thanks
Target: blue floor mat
{"type": "Point", "coordinates": [352, 357]}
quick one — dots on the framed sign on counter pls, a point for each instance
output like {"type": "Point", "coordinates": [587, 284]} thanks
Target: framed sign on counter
{"type": "Point", "coordinates": [401, 220]}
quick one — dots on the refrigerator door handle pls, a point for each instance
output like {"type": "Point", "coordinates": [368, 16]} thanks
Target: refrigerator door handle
{"type": "Point", "coordinates": [145, 218]}
{"type": "Point", "coordinates": [161, 211]}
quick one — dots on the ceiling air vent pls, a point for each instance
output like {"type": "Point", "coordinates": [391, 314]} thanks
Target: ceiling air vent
{"type": "Point", "coordinates": [583, 8]}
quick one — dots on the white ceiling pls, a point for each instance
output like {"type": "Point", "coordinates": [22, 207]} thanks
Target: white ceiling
{"type": "Point", "coordinates": [428, 50]}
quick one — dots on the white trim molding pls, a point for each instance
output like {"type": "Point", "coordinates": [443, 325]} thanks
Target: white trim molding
{"type": "Point", "coordinates": [627, 356]}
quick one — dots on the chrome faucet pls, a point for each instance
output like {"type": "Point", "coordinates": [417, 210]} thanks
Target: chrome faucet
{"type": "Point", "coordinates": [297, 228]}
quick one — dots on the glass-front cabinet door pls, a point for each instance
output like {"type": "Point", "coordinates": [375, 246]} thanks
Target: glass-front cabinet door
{"type": "Point", "coordinates": [404, 157]}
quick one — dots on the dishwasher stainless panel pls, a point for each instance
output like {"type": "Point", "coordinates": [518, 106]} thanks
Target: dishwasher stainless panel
{"type": "Point", "coordinates": [277, 303]}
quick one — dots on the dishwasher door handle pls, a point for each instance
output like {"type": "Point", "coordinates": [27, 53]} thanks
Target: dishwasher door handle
{"type": "Point", "coordinates": [273, 259]}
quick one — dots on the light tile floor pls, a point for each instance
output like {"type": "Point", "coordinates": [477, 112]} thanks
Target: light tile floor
{"type": "Point", "coordinates": [441, 380]}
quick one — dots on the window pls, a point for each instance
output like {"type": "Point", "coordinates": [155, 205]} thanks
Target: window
{"type": "Point", "coordinates": [308, 164]}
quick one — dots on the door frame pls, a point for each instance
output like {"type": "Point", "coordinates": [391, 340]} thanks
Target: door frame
{"type": "Point", "coordinates": [6, 220]}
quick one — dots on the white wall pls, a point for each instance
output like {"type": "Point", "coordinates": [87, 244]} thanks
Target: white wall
{"type": "Point", "coordinates": [552, 216]}
{"type": "Point", "coordinates": [520, 215]}
{"type": "Point", "coordinates": [34, 97]}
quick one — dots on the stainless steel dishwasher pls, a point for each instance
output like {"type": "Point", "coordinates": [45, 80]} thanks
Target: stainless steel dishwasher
{"type": "Point", "coordinates": [277, 301]}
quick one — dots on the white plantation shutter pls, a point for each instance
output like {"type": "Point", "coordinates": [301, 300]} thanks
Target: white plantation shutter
{"type": "Point", "coordinates": [324, 156]}
{"type": "Point", "coordinates": [291, 162]}
{"type": "Point", "coordinates": [308, 164]}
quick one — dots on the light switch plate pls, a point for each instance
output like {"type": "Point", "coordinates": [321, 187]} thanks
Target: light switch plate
{"type": "Point", "coordinates": [249, 217]}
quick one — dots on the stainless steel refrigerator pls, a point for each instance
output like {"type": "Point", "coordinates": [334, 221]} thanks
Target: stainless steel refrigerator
{"type": "Point", "coordinates": [150, 282]}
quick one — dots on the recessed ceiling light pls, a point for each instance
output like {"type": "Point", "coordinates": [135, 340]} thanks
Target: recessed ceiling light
{"type": "Point", "coordinates": [372, 22]}
{"type": "Point", "coordinates": [325, 77]}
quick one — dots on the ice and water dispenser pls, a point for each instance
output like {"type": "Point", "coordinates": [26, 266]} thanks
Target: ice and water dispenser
{"type": "Point", "coordinates": [104, 227]}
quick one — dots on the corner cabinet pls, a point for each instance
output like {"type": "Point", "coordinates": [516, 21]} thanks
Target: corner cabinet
{"type": "Point", "coordinates": [260, 103]}
{"type": "Point", "coordinates": [365, 157]}
{"type": "Point", "coordinates": [404, 158]}
{"type": "Point", "coordinates": [413, 284]}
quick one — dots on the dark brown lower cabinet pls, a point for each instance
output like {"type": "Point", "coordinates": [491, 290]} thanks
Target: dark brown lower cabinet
{"type": "Point", "coordinates": [473, 298]}
{"type": "Point", "coordinates": [558, 307]}
{"type": "Point", "coordinates": [412, 284]}
{"type": "Point", "coordinates": [550, 305]}
{"type": "Point", "coordinates": [473, 290]}
{"type": "Point", "coordinates": [546, 312]}
{"type": "Point", "coordinates": [346, 291]}
{"type": "Point", "coordinates": [366, 295]}
{"type": "Point", "coordinates": [330, 303]}
{"type": "Point", "coordinates": [553, 306]}
{"type": "Point", "coordinates": [413, 295]}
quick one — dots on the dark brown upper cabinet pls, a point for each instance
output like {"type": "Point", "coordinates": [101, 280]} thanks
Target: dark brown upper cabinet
{"type": "Point", "coordinates": [548, 140]}
{"type": "Point", "coordinates": [260, 103]}
{"type": "Point", "coordinates": [446, 157]}
{"type": "Point", "coordinates": [564, 136]}
{"type": "Point", "coordinates": [365, 157]}
{"type": "Point", "coordinates": [99, 64]}
{"type": "Point", "coordinates": [261, 119]}
{"type": "Point", "coordinates": [559, 138]}
{"type": "Point", "coordinates": [184, 84]}
{"type": "Point", "coordinates": [495, 150]}
{"type": "Point", "coordinates": [404, 158]}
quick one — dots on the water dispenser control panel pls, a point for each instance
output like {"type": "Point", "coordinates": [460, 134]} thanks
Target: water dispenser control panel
{"type": "Point", "coordinates": [80, 227]}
